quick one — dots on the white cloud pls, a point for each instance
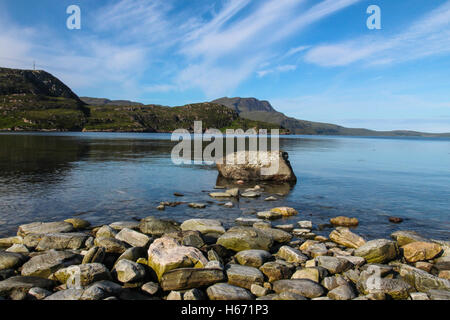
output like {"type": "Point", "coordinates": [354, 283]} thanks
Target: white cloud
{"type": "Point", "coordinates": [428, 36]}
{"type": "Point", "coordinates": [278, 69]}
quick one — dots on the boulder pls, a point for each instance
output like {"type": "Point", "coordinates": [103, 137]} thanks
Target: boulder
{"type": "Point", "coordinates": [11, 260]}
{"type": "Point", "coordinates": [243, 276]}
{"type": "Point", "coordinates": [205, 226]}
{"type": "Point", "coordinates": [373, 284]}
{"type": "Point", "coordinates": [257, 165]}
{"type": "Point", "coordinates": [303, 287]}
{"type": "Point", "coordinates": [190, 238]}
{"type": "Point", "coordinates": [421, 280]}
{"type": "Point", "coordinates": [119, 225]}
{"type": "Point", "coordinates": [78, 224]}
{"type": "Point", "coordinates": [291, 255]}
{"type": "Point", "coordinates": [129, 271]}
{"type": "Point", "coordinates": [45, 264]}
{"type": "Point", "coordinates": [404, 237]}
{"type": "Point", "coordinates": [44, 228]}
{"type": "Point", "coordinates": [14, 285]}
{"type": "Point", "coordinates": [253, 258]}
{"type": "Point", "coordinates": [277, 270]}
{"type": "Point", "coordinates": [277, 235]}
{"type": "Point", "coordinates": [345, 237]}
{"type": "Point", "coordinates": [378, 251]}
{"type": "Point", "coordinates": [152, 287]}
{"type": "Point", "coordinates": [133, 238]}
{"type": "Point", "coordinates": [62, 241]}
{"type": "Point", "coordinates": [157, 227]}
{"type": "Point", "coordinates": [18, 248]}
{"type": "Point", "coordinates": [313, 274]}
{"type": "Point", "coordinates": [39, 293]}
{"type": "Point", "coordinates": [111, 245]}
{"type": "Point", "coordinates": [166, 254]}
{"type": "Point", "coordinates": [225, 291]}
{"type": "Point", "coordinates": [7, 242]}
{"type": "Point", "coordinates": [68, 294]}
{"type": "Point", "coordinates": [258, 290]}
{"type": "Point", "coordinates": [419, 251]}
{"type": "Point", "coordinates": [189, 278]}
{"type": "Point", "coordinates": [342, 292]}
{"type": "Point", "coordinates": [333, 264]}
{"type": "Point", "coordinates": [245, 238]}
{"type": "Point", "coordinates": [344, 221]}
{"type": "Point", "coordinates": [106, 232]}
{"type": "Point", "coordinates": [79, 276]}
{"type": "Point", "coordinates": [101, 290]}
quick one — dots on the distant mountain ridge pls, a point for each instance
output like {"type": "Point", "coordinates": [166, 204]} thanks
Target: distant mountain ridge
{"type": "Point", "coordinates": [106, 102]}
{"type": "Point", "coordinates": [257, 110]}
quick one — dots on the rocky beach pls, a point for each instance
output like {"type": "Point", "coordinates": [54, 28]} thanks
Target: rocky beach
{"type": "Point", "coordinates": [200, 259]}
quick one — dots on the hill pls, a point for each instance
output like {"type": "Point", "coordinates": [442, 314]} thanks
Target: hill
{"type": "Point", "coordinates": [37, 101]}
{"type": "Point", "coordinates": [254, 109]}
{"type": "Point", "coordinates": [106, 102]}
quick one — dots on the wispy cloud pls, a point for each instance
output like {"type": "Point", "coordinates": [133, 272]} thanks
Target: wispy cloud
{"type": "Point", "coordinates": [278, 69]}
{"type": "Point", "coordinates": [428, 36]}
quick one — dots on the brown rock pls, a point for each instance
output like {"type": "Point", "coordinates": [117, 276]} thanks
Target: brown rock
{"type": "Point", "coordinates": [419, 251]}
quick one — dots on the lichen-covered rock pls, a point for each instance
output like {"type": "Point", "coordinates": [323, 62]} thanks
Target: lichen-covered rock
{"type": "Point", "coordinates": [245, 238]}
{"type": "Point", "coordinates": [189, 278]}
{"type": "Point", "coordinates": [345, 237]}
{"type": "Point", "coordinates": [78, 224]}
{"type": "Point", "coordinates": [257, 165]}
{"type": "Point", "coordinates": [333, 264]}
{"type": "Point", "coordinates": [419, 251]}
{"type": "Point", "coordinates": [225, 291]}
{"type": "Point", "coordinates": [421, 280]}
{"type": "Point", "coordinates": [373, 284]}
{"type": "Point", "coordinates": [166, 254]}
{"type": "Point", "coordinates": [378, 251]}
{"type": "Point", "coordinates": [94, 255]}
{"type": "Point", "coordinates": [403, 237]}
{"type": "Point", "coordinates": [106, 232]}
{"type": "Point", "coordinates": [277, 235]}
{"type": "Point", "coordinates": [11, 260]}
{"type": "Point", "coordinates": [45, 264]}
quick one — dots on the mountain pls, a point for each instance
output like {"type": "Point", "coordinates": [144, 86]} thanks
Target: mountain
{"type": "Point", "coordinates": [257, 110]}
{"type": "Point", "coordinates": [37, 101]}
{"type": "Point", "coordinates": [106, 102]}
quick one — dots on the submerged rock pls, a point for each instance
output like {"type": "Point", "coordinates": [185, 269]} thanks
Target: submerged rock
{"type": "Point", "coordinates": [344, 221]}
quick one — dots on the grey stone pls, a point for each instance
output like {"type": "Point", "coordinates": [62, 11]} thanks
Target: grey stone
{"type": "Point", "coordinates": [189, 278]}
{"type": "Point", "coordinates": [11, 260]}
{"type": "Point", "coordinates": [194, 295]}
{"type": "Point", "coordinates": [106, 232]}
{"type": "Point", "coordinates": [39, 293]}
{"type": "Point", "coordinates": [133, 238]}
{"type": "Point", "coordinates": [151, 288]}
{"type": "Point", "coordinates": [101, 290]}
{"type": "Point", "coordinates": [333, 264]}
{"type": "Point", "coordinates": [303, 287]}
{"type": "Point", "coordinates": [111, 245]}
{"type": "Point", "coordinates": [79, 276]}
{"type": "Point", "coordinates": [378, 251]}
{"type": "Point", "coordinates": [421, 280]}
{"type": "Point", "coordinates": [68, 294]}
{"type": "Point", "coordinates": [45, 228]}
{"type": "Point", "coordinates": [225, 291]}
{"type": "Point", "coordinates": [244, 238]}
{"type": "Point", "coordinates": [129, 271]}
{"type": "Point", "coordinates": [21, 284]}
{"type": "Point", "coordinates": [62, 241]}
{"type": "Point", "coordinates": [157, 227]}
{"type": "Point", "coordinates": [253, 258]}
{"type": "Point", "coordinates": [45, 264]}
{"type": "Point", "coordinates": [94, 255]}
{"type": "Point", "coordinates": [343, 292]}
{"type": "Point", "coordinates": [243, 276]}
{"type": "Point", "coordinates": [291, 255]}
{"type": "Point", "coordinates": [276, 270]}
{"type": "Point", "coordinates": [404, 237]}
{"type": "Point", "coordinates": [124, 225]}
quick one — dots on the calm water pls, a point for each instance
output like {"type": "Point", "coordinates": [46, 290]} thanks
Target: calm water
{"type": "Point", "coordinates": [106, 177]}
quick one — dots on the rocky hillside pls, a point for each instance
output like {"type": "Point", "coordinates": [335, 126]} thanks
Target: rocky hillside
{"type": "Point", "coordinates": [254, 109]}
{"type": "Point", "coordinates": [37, 101]}
{"type": "Point", "coordinates": [106, 102]}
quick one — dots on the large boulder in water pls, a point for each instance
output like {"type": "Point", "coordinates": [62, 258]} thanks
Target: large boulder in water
{"type": "Point", "coordinates": [257, 166]}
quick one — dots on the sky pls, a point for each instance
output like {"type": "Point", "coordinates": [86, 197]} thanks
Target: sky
{"type": "Point", "coordinates": [315, 60]}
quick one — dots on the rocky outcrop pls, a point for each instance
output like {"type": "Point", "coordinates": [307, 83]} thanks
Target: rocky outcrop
{"type": "Point", "coordinates": [257, 166]}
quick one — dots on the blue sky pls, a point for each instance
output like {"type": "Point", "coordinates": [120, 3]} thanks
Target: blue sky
{"type": "Point", "coordinates": [312, 59]}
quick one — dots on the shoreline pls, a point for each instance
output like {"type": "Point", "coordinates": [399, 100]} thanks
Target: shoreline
{"type": "Point", "coordinates": [199, 259]}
